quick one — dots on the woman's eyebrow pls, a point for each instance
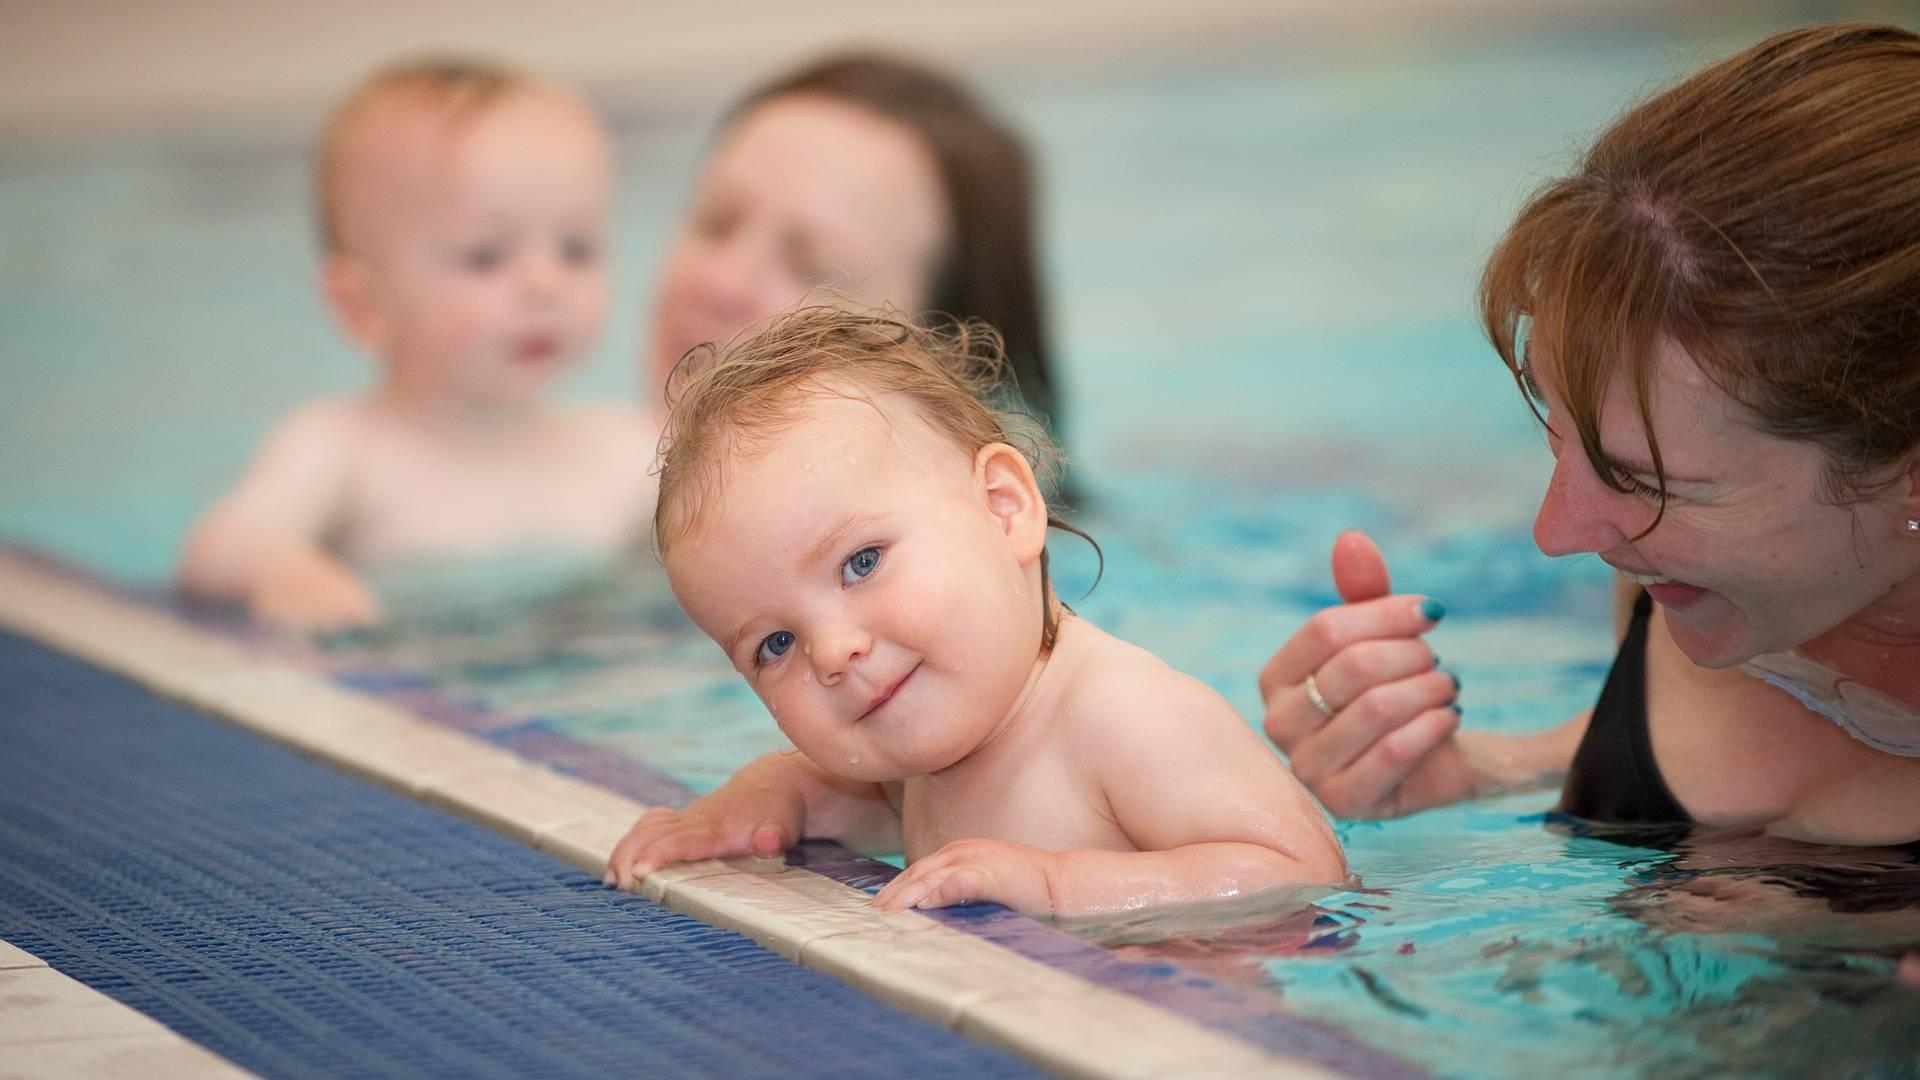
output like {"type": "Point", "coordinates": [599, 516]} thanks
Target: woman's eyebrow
{"type": "Point", "coordinates": [1640, 467]}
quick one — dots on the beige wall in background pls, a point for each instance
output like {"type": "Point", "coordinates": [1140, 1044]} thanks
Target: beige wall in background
{"type": "Point", "coordinates": [88, 67]}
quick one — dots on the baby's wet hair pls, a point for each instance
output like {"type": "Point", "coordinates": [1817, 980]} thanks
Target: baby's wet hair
{"type": "Point", "coordinates": [459, 87]}
{"type": "Point", "coordinates": [731, 401]}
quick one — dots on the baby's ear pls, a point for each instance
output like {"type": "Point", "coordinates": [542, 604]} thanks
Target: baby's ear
{"type": "Point", "coordinates": [348, 287]}
{"type": "Point", "coordinates": [1013, 496]}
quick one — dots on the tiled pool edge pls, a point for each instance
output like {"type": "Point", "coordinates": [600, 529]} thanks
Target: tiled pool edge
{"type": "Point", "coordinates": [52, 1025]}
{"type": "Point", "coordinates": [1054, 1019]}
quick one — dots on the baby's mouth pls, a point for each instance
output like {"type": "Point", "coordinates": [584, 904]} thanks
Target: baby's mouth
{"type": "Point", "coordinates": [887, 694]}
{"type": "Point", "coordinates": [536, 348]}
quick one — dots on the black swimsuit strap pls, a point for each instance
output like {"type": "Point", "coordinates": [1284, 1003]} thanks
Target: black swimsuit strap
{"type": "Point", "coordinates": [1614, 777]}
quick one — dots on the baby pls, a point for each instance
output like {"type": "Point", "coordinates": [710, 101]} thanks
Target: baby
{"type": "Point", "coordinates": [463, 209]}
{"type": "Point", "coordinates": [841, 512]}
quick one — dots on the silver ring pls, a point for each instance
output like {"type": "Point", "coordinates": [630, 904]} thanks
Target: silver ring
{"type": "Point", "coordinates": [1318, 699]}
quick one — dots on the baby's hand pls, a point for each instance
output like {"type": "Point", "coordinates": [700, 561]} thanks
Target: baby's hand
{"type": "Point", "coordinates": [975, 870]}
{"type": "Point", "coordinates": [716, 826]}
{"type": "Point", "coordinates": [308, 589]}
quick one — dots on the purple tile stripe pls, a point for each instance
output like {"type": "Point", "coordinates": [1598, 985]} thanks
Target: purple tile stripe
{"type": "Point", "coordinates": [1246, 1013]}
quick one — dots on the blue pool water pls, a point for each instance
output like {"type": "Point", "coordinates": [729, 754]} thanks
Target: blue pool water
{"type": "Point", "coordinates": [1264, 265]}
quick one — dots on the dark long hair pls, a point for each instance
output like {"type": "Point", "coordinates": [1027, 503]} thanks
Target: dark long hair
{"type": "Point", "coordinates": [990, 271]}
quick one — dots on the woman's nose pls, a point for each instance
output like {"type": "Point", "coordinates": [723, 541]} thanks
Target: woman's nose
{"type": "Point", "coordinates": [733, 280]}
{"type": "Point", "coordinates": [1579, 514]}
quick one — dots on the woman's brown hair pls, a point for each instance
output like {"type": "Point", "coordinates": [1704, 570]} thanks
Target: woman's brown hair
{"type": "Point", "coordinates": [1763, 214]}
{"type": "Point", "coordinates": [990, 271]}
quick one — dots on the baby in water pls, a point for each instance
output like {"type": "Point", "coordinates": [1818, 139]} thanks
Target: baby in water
{"type": "Point", "coordinates": [842, 512]}
{"type": "Point", "coordinates": [463, 209]}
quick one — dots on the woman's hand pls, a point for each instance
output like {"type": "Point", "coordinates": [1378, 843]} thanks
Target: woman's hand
{"type": "Point", "coordinates": [1355, 701]}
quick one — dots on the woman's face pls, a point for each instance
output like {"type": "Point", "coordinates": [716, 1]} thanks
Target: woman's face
{"type": "Point", "coordinates": [1754, 554]}
{"type": "Point", "coordinates": [803, 193]}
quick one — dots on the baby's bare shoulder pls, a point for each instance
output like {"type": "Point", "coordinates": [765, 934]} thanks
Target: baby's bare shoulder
{"type": "Point", "coordinates": [1123, 693]}
{"type": "Point", "coordinates": [323, 419]}
{"type": "Point", "coordinates": [319, 434]}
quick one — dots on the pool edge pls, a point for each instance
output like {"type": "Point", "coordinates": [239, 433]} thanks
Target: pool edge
{"type": "Point", "coordinates": [1053, 1019]}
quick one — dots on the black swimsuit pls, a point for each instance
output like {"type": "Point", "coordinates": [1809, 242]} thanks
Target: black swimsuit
{"type": "Point", "coordinates": [1614, 777]}
{"type": "Point", "coordinates": [1614, 786]}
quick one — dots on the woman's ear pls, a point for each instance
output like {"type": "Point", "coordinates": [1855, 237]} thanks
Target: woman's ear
{"type": "Point", "coordinates": [1908, 518]}
{"type": "Point", "coordinates": [1004, 477]}
{"type": "Point", "coordinates": [348, 289]}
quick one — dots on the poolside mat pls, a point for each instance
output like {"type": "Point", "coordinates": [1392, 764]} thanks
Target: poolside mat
{"type": "Point", "coordinates": [300, 923]}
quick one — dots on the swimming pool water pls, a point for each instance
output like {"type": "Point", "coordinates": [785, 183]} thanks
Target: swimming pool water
{"type": "Point", "coordinates": [1264, 265]}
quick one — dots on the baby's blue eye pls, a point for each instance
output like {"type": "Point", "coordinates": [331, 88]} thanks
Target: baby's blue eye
{"type": "Point", "coordinates": [773, 646]}
{"type": "Point", "coordinates": [859, 565]}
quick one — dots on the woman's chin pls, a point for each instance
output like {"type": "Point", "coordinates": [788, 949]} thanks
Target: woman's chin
{"type": "Point", "coordinates": [1723, 642]}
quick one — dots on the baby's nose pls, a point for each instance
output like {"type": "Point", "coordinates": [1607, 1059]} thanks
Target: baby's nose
{"type": "Point", "coordinates": [540, 275]}
{"type": "Point", "coordinates": [833, 654]}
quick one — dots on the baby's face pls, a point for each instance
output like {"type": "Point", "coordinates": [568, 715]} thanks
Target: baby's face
{"type": "Point", "coordinates": [855, 573]}
{"type": "Point", "coordinates": [484, 248]}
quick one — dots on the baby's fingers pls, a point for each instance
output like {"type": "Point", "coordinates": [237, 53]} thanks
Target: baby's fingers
{"type": "Point", "coordinates": [680, 842]}
{"type": "Point", "coordinates": [620, 861]}
{"type": "Point", "coordinates": [957, 885]}
{"type": "Point", "coordinates": [933, 888]}
{"type": "Point", "coordinates": [906, 883]}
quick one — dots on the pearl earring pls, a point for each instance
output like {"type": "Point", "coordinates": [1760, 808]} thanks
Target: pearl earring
{"type": "Point", "coordinates": [1913, 526]}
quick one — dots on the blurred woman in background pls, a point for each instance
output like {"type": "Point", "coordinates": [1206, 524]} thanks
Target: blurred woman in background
{"type": "Point", "coordinates": [875, 181]}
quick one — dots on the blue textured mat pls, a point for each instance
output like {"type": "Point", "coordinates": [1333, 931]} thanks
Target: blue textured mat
{"type": "Point", "coordinates": [302, 923]}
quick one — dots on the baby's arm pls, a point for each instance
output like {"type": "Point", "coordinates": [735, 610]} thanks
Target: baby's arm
{"type": "Point", "coordinates": [261, 546]}
{"type": "Point", "coordinates": [1211, 810]}
{"type": "Point", "coordinates": [761, 810]}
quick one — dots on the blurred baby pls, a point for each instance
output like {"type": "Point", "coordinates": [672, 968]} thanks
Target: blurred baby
{"type": "Point", "coordinates": [842, 512]}
{"type": "Point", "coordinates": [463, 208]}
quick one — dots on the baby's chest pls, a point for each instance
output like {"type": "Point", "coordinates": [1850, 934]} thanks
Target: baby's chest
{"type": "Point", "coordinates": [1050, 809]}
{"type": "Point", "coordinates": [412, 502]}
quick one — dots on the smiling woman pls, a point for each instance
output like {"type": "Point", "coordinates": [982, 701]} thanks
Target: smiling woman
{"type": "Point", "coordinates": [1718, 320]}
{"type": "Point", "coordinates": [865, 179]}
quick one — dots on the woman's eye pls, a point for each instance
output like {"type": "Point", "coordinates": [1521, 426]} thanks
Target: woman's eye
{"type": "Point", "coordinates": [1532, 385]}
{"type": "Point", "coordinates": [1634, 486]}
{"type": "Point", "coordinates": [859, 565]}
{"type": "Point", "coordinates": [773, 647]}
{"type": "Point", "coordinates": [714, 222]}
{"type": "Point", "coordinates": [802, 261]}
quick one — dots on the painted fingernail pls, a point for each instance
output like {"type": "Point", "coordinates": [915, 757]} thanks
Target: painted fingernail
{"type": "Point", "coordinates": [1454, 677]}
{"type": "Point", "coordinates": [607, 879]}
{"type": "Point", "coordinates": [1432, 610]}
{"type": "Point", "coordinates": [1457, 710]}
{"type": "Point", "coordinates": [1436, 661]}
